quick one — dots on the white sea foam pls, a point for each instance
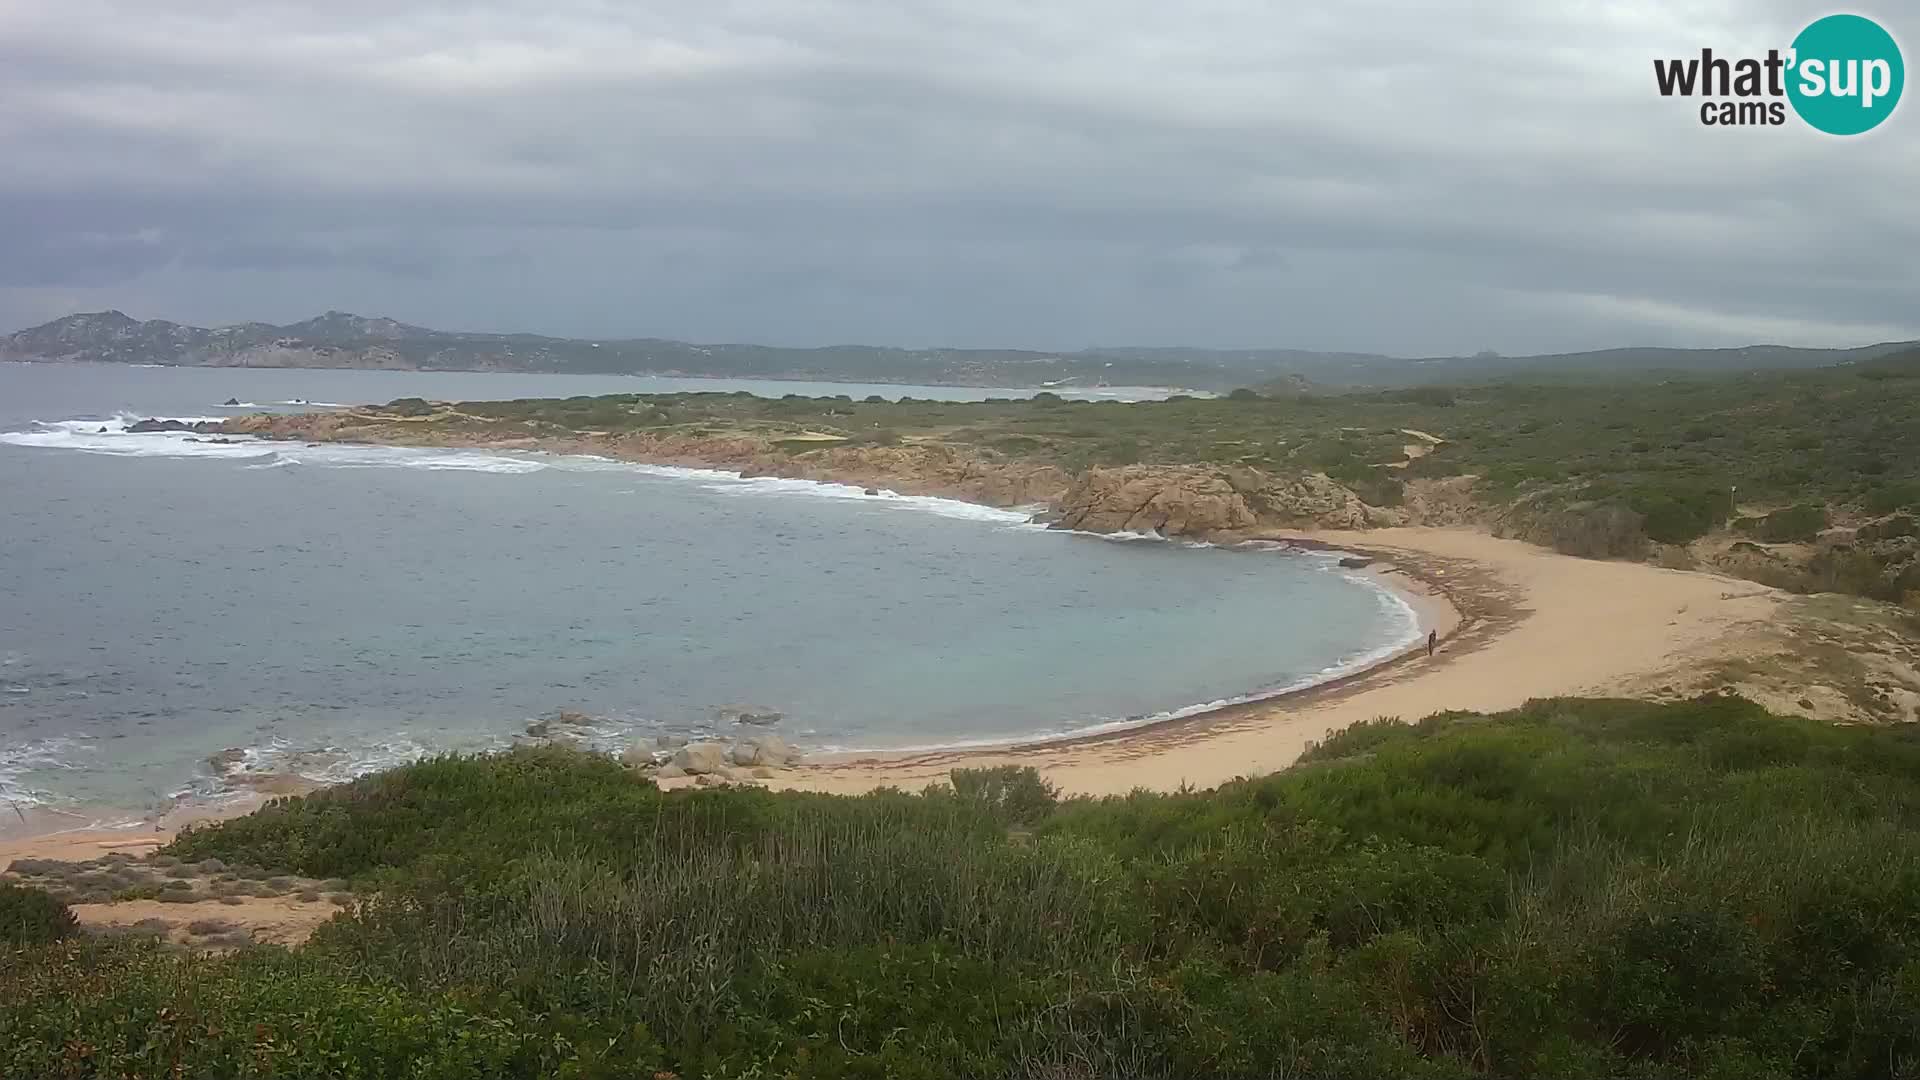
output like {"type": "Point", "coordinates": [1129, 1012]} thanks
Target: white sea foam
{"type": "Point", "coordinates": [40, 755]}
{"type": "Point", "coordinates": [350, 758]}
{"type": "Point", "coordinates": [110, 436]}
{"type": "Point", "coordinates": [724, 483]}
{"type": "Point", "coordinates": [327, 764]}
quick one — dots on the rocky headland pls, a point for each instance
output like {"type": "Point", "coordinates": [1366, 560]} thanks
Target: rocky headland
{"type": "Point", "coordinates": [1192, 501]}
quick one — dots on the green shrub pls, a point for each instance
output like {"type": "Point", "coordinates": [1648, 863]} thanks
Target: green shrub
{"type": "Point", "coordinates": [1677, 515]}
{"type": "Point", "coordinates": [29, 916]}
{"type": "Point", "coordinates": [1575, 888]}
{"type": "Point", "coordinates": [1887, 498]}
{"type": "Point", "coordinates": [1011, 793]}
{"type": "Point", "coordinates": [1793, 524]}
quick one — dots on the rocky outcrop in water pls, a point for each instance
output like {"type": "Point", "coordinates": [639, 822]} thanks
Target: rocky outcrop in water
{"type": "Point", "coordinates": [758, 715]}
{"type": "Point", "coordinates": [149, 427]}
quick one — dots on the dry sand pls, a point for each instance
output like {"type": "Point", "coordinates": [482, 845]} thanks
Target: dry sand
{"type": "Point", "coordinates": [1517, 622]}
{"type": "Point", "coordinates": [275, 920]}
{"type": "Point", "coordinates": [282, 920]}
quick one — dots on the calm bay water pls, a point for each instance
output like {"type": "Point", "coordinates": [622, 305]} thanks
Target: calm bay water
{"type": "Point", "coordinates": [329, 610]}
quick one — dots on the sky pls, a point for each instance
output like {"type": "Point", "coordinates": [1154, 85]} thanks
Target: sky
{"type": "Point", "coordinates": [1371, 175]}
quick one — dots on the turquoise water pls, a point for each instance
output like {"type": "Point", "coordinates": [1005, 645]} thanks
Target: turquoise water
{"type": "Point", "coordinates": [327, 610]}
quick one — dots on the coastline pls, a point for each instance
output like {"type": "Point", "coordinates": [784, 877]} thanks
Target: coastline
{"type": "Point", "coordinates": [1531, 624]}
{"type": "Point", "coordinates": [1505, 613]}
{"type": "Point", "coordinates": [1428, 603]}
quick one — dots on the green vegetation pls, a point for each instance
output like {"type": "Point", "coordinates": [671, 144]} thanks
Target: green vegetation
{"type": "Point", "coordinates": [30, 916]}
{"type": "Point", "coordinates": [1604, 469]}
{"type": "Point", "coordinates": [1795, 523]}
{"type": "Point", "coordinates": [1575, 889]}
{"type": "Point", "coordinates": [1672, 450]}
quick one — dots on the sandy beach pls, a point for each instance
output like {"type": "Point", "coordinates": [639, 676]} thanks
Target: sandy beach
{"type": "Point", "coordinates": [1516, 622]}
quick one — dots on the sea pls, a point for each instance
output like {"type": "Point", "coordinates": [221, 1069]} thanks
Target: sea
{"type": "Point", "coordinates": [179, 618]}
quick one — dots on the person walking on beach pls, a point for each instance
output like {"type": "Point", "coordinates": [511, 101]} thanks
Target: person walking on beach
{"type": "Point", "coordinates": [1433, 638]}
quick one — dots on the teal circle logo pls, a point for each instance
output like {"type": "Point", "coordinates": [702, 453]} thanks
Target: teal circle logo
{"type": "Point", "coordinates": [1846, 74]}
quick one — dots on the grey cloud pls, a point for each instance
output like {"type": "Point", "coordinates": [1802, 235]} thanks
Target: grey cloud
{"type": "Point", "coordinates": [1375, 176]}
{"type": "Point", "coordinates": [394, 259]}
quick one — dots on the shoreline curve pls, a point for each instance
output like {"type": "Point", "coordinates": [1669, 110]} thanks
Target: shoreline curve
{"type": "Point", "coordinates": [1475, 591]}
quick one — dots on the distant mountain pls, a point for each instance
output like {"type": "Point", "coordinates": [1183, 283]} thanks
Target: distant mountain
{"type": "Point", "coordinates": [341, 340]}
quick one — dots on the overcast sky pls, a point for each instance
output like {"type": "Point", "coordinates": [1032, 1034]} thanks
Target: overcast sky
{"type": "Point", "coordinates": [1371, 175]}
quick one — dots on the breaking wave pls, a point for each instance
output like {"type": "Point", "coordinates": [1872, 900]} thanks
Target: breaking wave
{"type": "Point", "coordinates": [111, 436]}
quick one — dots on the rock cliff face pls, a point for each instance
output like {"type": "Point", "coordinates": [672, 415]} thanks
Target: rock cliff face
{"type": "Point", "coordinates": [1170, 500]}
{"type": "Point", "coordinates": [1198, 501]}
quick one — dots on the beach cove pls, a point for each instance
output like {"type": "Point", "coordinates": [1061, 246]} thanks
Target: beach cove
{"type": "Point", "coordinates": [201, 618]}
{"type": "Point", "coordinates": [1515, 621]}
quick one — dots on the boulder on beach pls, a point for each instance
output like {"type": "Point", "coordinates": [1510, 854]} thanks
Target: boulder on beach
{"type": "Point", "coordinates": [701, 758]}
{"type": "Point", "coordinates": [769, 751]}
{"type": "Point", "coordinates": [1356, 562]}
{"type": "Point", "coordinates": [749, 714]}
{"type": "Point", "coordinates": [638, 757]}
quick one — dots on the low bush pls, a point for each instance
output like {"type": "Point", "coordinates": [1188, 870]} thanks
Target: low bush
{"type": "Point", "coordinates": [1793, 524]}
{"type": "Point", "coordinates": [1576, 888]}
{"type": "Point", "coordinates": [1009, 793]}
{"type": "Point", "coordinates": [30, 916]}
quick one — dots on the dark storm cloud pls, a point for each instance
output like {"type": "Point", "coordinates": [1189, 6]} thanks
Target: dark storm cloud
{"type": "Point", "coordinates": [1370, 176]}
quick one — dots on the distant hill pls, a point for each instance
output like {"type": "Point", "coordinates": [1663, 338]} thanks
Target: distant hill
{"type": "Point", "coordinates": [1336, 369]}
{"type": "Point", "coordinates": [341, 340]}
{"type": "Point", "coordinates": [1902, 364]}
